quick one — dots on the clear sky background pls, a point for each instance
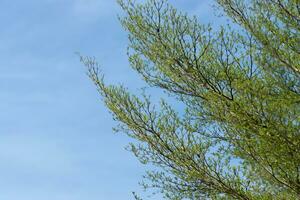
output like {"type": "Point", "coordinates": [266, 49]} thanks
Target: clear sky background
{"type": "Point", "coordinates": [56, 141]}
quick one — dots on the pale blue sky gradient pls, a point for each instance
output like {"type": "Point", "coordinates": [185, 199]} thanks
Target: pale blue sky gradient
{"type": "Point", "coordinates": [56, 141]}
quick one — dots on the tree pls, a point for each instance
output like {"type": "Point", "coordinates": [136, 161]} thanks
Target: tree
{"type": "Point", "coordinates": [239, 134]}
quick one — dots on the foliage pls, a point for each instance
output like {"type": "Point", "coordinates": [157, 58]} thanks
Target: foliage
{"type": "Point", "coordinates": [239, 136]}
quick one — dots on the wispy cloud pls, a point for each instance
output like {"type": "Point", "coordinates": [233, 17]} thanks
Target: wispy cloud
{"type": "Point", "coordinates": [34, 153]}
{"type": "Point", "coordinates": [91, 9]}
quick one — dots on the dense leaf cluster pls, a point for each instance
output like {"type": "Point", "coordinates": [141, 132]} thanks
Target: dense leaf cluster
{"type": "Point", "coordinates": [239, 137]}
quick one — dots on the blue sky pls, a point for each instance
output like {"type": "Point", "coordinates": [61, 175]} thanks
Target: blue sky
{"type": "Point", "coordinates": [56, 141]}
